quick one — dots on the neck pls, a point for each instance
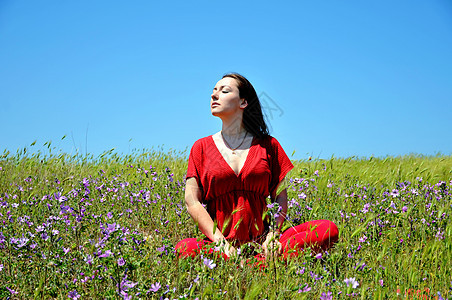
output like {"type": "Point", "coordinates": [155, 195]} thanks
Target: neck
{"type": "Point", "coordinates": [233, 127]}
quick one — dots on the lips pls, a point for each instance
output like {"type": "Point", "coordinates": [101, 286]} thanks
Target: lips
{"type": "Point", "coordinates": [214, 104]}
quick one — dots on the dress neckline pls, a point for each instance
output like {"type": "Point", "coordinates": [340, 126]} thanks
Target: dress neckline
{"type": "Point", "coordinates": [224, 160]}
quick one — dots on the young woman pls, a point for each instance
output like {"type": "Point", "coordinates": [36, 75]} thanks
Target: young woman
{"type": "Point", "coordinates": [233, 171]}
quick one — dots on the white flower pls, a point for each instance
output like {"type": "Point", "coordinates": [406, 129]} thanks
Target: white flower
{"type": "Point", "coordinates": [351, 281]}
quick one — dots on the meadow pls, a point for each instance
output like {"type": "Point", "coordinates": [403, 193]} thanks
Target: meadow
{"type": "Point", "coordinates": [84, 227]}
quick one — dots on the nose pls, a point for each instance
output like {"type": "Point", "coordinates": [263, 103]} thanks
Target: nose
{"type": "Point", "coordinates": [214, 95]}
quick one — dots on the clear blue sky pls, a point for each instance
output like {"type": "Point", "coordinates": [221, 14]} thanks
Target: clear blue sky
{"type": "Point", "coordinates": [338, 78]}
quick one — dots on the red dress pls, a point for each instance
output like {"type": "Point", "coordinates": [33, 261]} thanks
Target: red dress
{"type": "Point", "coordinates": [237, 201]}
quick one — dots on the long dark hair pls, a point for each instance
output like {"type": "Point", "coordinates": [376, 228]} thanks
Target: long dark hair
{"type": "Point", "coordinates": [253, 119]}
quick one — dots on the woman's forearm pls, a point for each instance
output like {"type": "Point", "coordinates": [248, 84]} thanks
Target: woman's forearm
{"type": "Point", "coordinates": [271, 243]}
{"type": "Point", "coordinates": [205, 222]}
{"type": "Point", "coordinates": [282, 201]}
{"type": "Point", "coordinates": [202, 218]}
{"type": "Point", "coordinates": [198, 213]}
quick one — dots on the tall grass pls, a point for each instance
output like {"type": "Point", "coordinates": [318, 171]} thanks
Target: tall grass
{"type": "Point", "coordinates": [105, 227]}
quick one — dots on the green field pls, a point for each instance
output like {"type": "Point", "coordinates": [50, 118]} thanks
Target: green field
{"type": "Point", "coordinates": [105, 227]}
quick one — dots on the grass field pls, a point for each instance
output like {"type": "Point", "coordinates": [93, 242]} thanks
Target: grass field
{"type": "Point", "coordinates": [105, 227]}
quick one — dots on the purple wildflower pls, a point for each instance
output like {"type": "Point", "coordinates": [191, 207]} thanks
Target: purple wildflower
{"type": "Point", "coordinates": [40, 228]}
{"type": "Point", "coordinates": [60, 198]}
{"type": "Point", "coordinates": [277, 213]}
{"type": "Point", "coordinates": [302, 196]}
{"type": "Point", "coordinates": [22, 242]}
{"type": "Point", "coordinates": [111, 227]}
{"type": "Point", "coordinates": [362, 239]}
{"type": "Point", "coordinates": [73, 294]}
{"type": "Point", "coordinates": [84, 280]}
{"type": "Point", "coordinates": [362, 266]}
{"type": "Point", "coordinates": [440, 235]}
{"type": "Point", "coordinates": [155, 287]}
{"type": "Point", "coordinates": [305, 289]}
{"type": "Point", "coordinates": [64, 209]}
{"type": "Point", "coordinates": [121, 262]}
{"type": "Point", "coordinates": [2, 238]}
{"type": "Point", "coordinates": [366, 208]}
{"type": "Point", "coordinates": [209, 263]}
{"type": "Point", "coordinates": [13, 292]}
{"type": "Point", "coordinates": [395, 193]}
{"type": "Point", "coordinates": [125, 296]}
{"type": "Point", "coordinates": [44, 236]}
{"type": "Point", "coordinates": [161, 249]}
{"type": "Point", "coordinates": [301, 271]}
{"type": "Point", "coordinates": [89, 259]}
{"type": "Point", "coordinates": [327, 296]}
{"type": "Point", "coordinates": [125, 286]}
{"type": "Point", "coordinates": [107, 253]}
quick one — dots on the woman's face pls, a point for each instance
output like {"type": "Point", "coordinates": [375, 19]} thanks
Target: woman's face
{"type": "Point", "coordinates": [225, 99]}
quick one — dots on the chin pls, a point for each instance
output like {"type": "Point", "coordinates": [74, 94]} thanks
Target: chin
{"type": "Point", "coordinates": [215, 112]}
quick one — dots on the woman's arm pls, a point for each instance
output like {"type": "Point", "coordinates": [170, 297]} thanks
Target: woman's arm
{"type": "Point", "coordinates": [280, 195]}
{"type": "Point", "coordinates": [271, 240]}
{"type": "Point", "coordinates": [202, 217]}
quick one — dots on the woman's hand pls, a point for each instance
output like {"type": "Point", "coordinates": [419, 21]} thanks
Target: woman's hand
{"type": "Point", "coordinates": [226, 248]}
{"type": "Point", "coordinates": [271, 245]}
{"type": "Point", "coordinates": [229, 250]}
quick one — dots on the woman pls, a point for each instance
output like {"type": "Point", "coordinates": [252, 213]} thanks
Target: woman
{"type": "Point", "coordinates": [233, 171]}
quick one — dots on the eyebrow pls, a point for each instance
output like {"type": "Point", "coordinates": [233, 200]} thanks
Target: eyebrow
{"type": "Point", "coordinates": [222, 86]}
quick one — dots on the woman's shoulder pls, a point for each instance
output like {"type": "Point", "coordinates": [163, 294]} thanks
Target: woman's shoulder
{"type": "Point", "coordinates": [202, 142]}
{"type": "Point", "coordinates": [203, 139]}
{"type": "Point", "coordinates": [269, 141]}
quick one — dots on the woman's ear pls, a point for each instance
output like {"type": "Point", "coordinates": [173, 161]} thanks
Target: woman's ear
{"type": "Point", "coordinates": [244, 103]}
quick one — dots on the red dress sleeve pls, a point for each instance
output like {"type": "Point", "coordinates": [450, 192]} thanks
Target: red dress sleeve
{"type": "Point", "coordinates": [195, 165]}
{"type": "Point", "coordinates": [280, 164]}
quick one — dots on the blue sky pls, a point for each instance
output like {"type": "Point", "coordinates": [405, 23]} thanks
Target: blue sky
{"type": "Point", "coordinates": [342, 78]}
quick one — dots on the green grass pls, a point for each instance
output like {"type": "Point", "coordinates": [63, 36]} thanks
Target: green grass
{"type": "Point", "coordinates": [394, 216]}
